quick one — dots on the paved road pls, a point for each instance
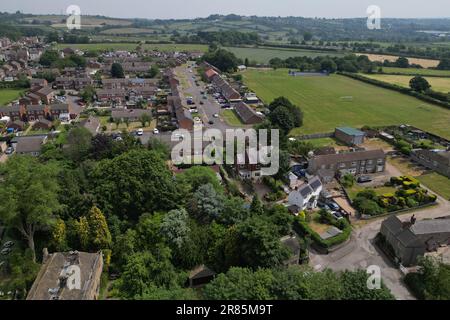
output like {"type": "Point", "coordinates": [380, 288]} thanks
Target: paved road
{"type": "Point", "coordinates": [360, 251]}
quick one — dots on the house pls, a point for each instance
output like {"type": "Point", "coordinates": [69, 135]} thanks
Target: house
{"type": "Point", "coordinates": [247, 114]}
{"type": "Point", "coordinates": [355, 163]}
{"type": "Point", "coordinates": [35, 82]}
{"type": "Point", "coordinates": [129, 114]}
{"type": "Point", "coordinates": [42, 124]}
{"type": "Point", "coordinates": [29, 145]}
{"type": "Point", "coordinates": [72, 82]}
{"type": "Point", "coordinates": [307, 195]}
{"type": "Point", "coordinates": [111, 95]}
{"type": "Point", "coordinates": [437, 160]}
{"type": "Point", "coordinates": [129, 83]}
{"type": "Point", "coordinates": [15, 112]}
{"type": "Point", "coordinates": [59, 273]}
{"type": "Point", "coordinates": [412, 240]}
{"type": "Point", "coordinates": [46, 93]}
{"type": "Point", "coordinates": [16, 125]}
{"type": "Point", "coordinates": [92, 124]}
{"type": "Point", "coordinates": [350, 136]}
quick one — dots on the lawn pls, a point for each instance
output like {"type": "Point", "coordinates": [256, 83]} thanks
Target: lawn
{"type": "Point", "coordinates": [323, 142]}
{"type": "Point", "coordinates": [437, 84]}
{"type": "Point", "coordinates": [413, 72]}
{"type": "Point", "coordinates": [353, 191]}
{"type": "Point", "coordinates": [432, 180]}
{"type": "Point", "coordinates": [132, 46]}
{"type": "Point", "coordinates": [329, 102]}
{"type": "Point", "coordinates": [264, 54]}
{"type": "Point", "coordinates": [8, 95]}
{"type": "Point", "coordinates": [437, 183]}
{"type": "Point", "coordinates": [231, 118]}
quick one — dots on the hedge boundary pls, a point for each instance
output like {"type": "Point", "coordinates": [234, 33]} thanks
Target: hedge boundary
{"type": "Point", "coordinates": [385, 85]}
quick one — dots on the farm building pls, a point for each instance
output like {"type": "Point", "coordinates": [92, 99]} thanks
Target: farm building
{"type": "Point", "coordinates": [350, 136]}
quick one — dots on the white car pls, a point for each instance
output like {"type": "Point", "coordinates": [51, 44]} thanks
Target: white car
{"type": "Point", "coordinates": [216, 115]}
{"type": "Point", "coordinates": [140, 132]}
{"type": "Point", "coordinates": [155, 131]}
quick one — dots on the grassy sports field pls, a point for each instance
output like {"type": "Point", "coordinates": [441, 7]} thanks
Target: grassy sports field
{"type": "Point", "coordinates": [132, 46]}
{"type": "Point", "coordinates": [328, 102]}
{"type": "Point", "coordinates": [8, 95]}
{"type": "Point", "coordinates": [263, 55]}
{"type": "Point", "coordinates": [437, 84]}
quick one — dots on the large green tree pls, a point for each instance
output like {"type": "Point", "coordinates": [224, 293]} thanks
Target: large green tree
{"type": "Point", "coordinates": [29, 193]}
{"type": "Point", "coordinates": [133, 183]}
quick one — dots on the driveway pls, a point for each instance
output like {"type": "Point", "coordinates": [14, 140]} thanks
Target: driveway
{"type": "Point", "coordinates": [360, 252]}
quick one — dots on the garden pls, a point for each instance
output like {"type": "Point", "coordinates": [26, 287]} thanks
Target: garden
{"type": "Point", "coordinates": [403, 193]}
{"type": "Point", "coordinates": [311, 224]}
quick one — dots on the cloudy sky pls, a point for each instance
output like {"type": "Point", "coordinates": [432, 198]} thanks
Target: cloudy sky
{"type": "Point", "coordinates": [200, 8]}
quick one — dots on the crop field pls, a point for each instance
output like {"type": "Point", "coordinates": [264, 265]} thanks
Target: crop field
{"type": "Point", "coordinates": [425, 63]}
{"type": "Point", "coordinates": [414, 72]}
{"type": "Point", "coordinates": [132, 46]}
{"type": "Point", "coordinates": [264, 54]}
{"type": "Point", "coordinates": [437, 84]}
{"type": "Point", "coordinates": [328, 102]}
{"type": "Point", "coordinates": [8, 95]}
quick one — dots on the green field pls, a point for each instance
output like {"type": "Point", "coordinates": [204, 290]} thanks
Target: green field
{"type": "Point", "coordinates": [263, 55]}
{"type": "Point", "coordinates": [413, 71]}
{"type": "Point", "coordinates": [437, 183]}
{"type": "Point", "coordinates": [329, 102]}
{"type": "Point", "coordinates": [231, 118]}
{"type": "Point", "coordinates": [8, 95]}
{"type": "Point", "coordinates": [132, 46]}
{"type": "Point", "coordinates": [437, 84]}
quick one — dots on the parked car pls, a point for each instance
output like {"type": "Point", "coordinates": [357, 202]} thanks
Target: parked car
{"type": "Point", "coordinates": [9, 150]}
{"type": "Point", "coordinates": [211, 122]}
{"type": "Point", "coordinates": [216, 115]}
{"type": "Point", "coordinates": [364, 179]}
{"type": "Point", "coordinates": [333, 205]}
{"type": "Point", "coordinates": [202, 103]}
{"type": "Point", "coordinates": [323, 205]}
{"type": "Point", "coordinates": [6, 251]}
{"type": "Point", "coordinates": [8, 244]}
{"type": "Point", "coordinates": [337, 215]}
{"type": "Point", "coordinates": [155, 131]}
{"type": "Point", "coordinates": [140, 132]}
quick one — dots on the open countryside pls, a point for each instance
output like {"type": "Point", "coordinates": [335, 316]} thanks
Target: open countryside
{"type": "Point", "coordinates": [262, 55]}
{"type": "Point", "coordinates": [132, 46]}
{"type": "Point", "coordinates": [328, 102]}
{"type": "Point", "coordinates": [425, 63]}
{"type": "Point", "coordinates": [414, 71]}
{"type": "Point", "coordinates": [437, 84]}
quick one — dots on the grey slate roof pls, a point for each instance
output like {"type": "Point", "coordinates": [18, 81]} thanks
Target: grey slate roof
{"type": "Point", "coordinates": [431, 226]}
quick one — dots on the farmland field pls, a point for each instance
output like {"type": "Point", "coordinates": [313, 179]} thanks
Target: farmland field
{"type": "Point", "coordinates": [425, 63]}
{"type": "Point", "coordinates": [413, 72]}
{"type": "Point", "coordinates": [132, 46]}
{"type": "Point", "coordinates": [8, 95]}
{"type": "Point", "coordinates": [263, 55]}
{"type": "Point", "coordinates": [437, 183]}
{"type": "Point", "coordinates": [437, 84]}
{"type": "Point", "coordinates": [328, 102]}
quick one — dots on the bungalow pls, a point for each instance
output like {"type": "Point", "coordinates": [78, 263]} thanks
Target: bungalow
{"type": "Point", "coordinates": [42, 124]}
{"type": "Point", "coordinates": [29, 145]}
{"type": "Point", "coordinates": [247, 114]}
{"type": "Point", "coordinates": [307, 195]}
{"type": "Point", "coordinates": [129, 114]}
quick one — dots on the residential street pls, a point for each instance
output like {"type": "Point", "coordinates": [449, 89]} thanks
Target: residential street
{"type": "Point", "coordinates": [360, 251]}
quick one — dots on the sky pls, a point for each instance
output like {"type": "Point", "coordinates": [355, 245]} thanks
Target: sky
{"type": "Point", "coordinates": [178, 9]}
